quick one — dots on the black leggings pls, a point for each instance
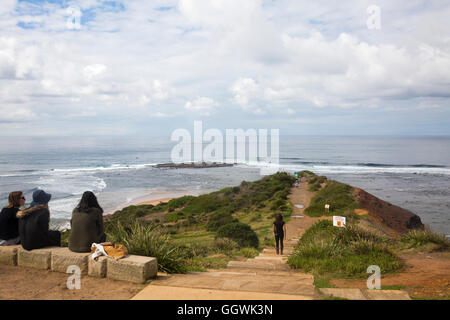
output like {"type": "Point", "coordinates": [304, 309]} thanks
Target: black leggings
{"type": "Point", "coordinates": [279, 240]}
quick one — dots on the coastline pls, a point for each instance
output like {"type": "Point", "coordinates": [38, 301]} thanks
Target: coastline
{"type": "Point", "coordinates": [156, 197]}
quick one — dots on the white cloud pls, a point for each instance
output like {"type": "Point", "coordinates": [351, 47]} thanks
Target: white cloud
{"type": "Point", "coordinates": [202, 105]}
{"type": "Point", "coordinates": [94, 71]}
{"type": "Point", "coordinates": [259, 57]}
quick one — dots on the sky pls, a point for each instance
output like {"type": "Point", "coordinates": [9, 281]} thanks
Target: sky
{"type": "Point", "coordinates": [93, 67]}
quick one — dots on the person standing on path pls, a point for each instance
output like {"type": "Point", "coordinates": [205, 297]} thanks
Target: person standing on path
{"type": "Point", "coordinates": [279, 230]}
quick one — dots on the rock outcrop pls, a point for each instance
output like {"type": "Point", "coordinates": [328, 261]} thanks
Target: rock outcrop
{"type": "Point", "coordinates": [396, 218]}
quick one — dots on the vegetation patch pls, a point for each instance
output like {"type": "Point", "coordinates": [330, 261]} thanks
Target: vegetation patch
{"type": "Point", "coordinates": [149, 240]}
{"type": "Point", "coordinates": [347, 251]}
{"type": "Point", "coordinates": [239, 232]}
{"type": "Point", "coordinates": [420, 238]}
{"type": "Point", "coordinates": [340, 198]}
{"type": "Point", "coordinates": [208, 230]}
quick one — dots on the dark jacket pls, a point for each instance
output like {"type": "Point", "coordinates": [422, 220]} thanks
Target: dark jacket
{"type": "Point", "coordinates": [9, 224]}
{"type": "Point", "coordinates": [86, 228]}
{"type": "Point", "coordinates": [34, 229]}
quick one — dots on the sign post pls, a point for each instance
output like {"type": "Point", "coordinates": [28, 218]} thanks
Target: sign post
{"type": "Point", "coordinates": [339, 221]}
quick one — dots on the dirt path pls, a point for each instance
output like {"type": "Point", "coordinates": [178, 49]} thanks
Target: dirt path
{"type": "Point", "coordinates": [300, 222]}
{"type": "Point", "coordinates": [19, 283]}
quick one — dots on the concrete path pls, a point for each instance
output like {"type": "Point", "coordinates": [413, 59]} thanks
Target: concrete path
{"type": "Point", "coordinates": [265, 277]}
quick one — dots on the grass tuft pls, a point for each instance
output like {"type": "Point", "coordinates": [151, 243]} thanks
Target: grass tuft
{"type": "Point", "coordinates": [348, 251]}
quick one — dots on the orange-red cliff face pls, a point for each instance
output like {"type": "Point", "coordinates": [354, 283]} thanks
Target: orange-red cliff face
{"type": "Point", "coordinates": [398, 219]}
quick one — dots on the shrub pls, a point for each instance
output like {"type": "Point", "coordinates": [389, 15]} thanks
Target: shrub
{"type": "Point", "coordinates": [149, 240]}
{"type": "Point", "coordinates": [306, 173]}
{"type": "Point", "coordinates": [249, 252]}
{"type": "Point", "coordinates": [224, 245]}
{"type": "Point", "coordinates": [236, 190]}
{"type": "Point", "coordinates": [418, 238]}
{"type": "Point", "coordinates": [218, 220]}
{"type": "Point", "coordinates": [239, 232]}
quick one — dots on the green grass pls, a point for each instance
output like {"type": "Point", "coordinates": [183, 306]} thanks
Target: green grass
{"type": "Point", "coordinates": [420, 238]}
{"type": "Point", "coordinates": [345, 251]}
{"type": "Point", "coordinates": [393, 287]}
{"type": "Point", "coordinates": [150, 240]}
{"type": "Point", "coordinates": [240, 232]}
{"type": "Point", "coordinates": [323, 280]}
{"type": "Point", "coordinates": [338, 196]}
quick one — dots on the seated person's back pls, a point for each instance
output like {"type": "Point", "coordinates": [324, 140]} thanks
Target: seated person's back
{"type": "Point", "coordinates": [34, 224]}
{"type": "Point", "coordinates": [86, 224]}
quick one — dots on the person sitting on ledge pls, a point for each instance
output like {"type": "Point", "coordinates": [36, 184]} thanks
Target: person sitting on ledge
{"type": "Point", "coordinates": [34, 224]}
{"type": "Point", "coordinates": [86, 224]}
{"type": "Point", "coordinates": [9, 224]}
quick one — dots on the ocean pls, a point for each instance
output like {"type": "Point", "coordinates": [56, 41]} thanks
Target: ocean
{"type": "Point", "coordinates": [411, 172]}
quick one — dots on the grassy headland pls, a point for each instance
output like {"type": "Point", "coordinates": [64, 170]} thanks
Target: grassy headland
{"type": "Point", "coordinates": [345, 253]}
{"type": "Point", "coordinates": [194, 233]}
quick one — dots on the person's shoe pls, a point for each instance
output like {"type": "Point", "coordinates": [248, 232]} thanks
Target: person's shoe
{"type": "Point", "coordinates": [281, 251]}
{"type": "Point", "coordinates": [277, 251]}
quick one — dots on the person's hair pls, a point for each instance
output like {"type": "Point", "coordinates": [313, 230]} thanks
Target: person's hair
{"type": "Point", "coordinates": [279, 218]}
{"type": "Point", "coordinates": [14, 199]}
{"type": "Point", "coordinates": [88, 201]}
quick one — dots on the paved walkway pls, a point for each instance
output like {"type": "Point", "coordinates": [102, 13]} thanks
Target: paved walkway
{"type": "Point", "coordinates": [266, 277]}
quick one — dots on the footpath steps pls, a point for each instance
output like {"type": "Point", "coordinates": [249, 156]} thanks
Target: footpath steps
{"type": "Point", "coordinates": [132, 268]}
{"type": "Point", "coordinates": [364, 294]}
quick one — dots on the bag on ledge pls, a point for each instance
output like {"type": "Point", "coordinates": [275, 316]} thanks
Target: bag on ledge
{"type": "Point", "coordinates": [116, 251]}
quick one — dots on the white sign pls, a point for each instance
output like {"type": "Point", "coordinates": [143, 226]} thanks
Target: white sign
{"type": "Point", "coordinates": [339, 221]}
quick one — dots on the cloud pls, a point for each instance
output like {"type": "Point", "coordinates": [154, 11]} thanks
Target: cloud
{"type": "Point", "coordinates": [272, 59]}
{"type": "Point", "coordinates": [201, 105]}
{"type": "Point", "coordinates": [94, 71]}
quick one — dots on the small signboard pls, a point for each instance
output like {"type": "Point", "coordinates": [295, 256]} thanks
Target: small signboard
{"type": "Point", "coordinates": [338, 221]}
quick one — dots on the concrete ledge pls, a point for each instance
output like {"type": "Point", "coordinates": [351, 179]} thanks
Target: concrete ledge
{"type": "Point", "coordinates": [62, 258]}
{"type": "Point", "coordinates": [8, 255]}
{"type": "Point", "coordinates": [37, 258]}
{"type": "Point", "coordinates": [350, 293]}
{"type": "Point", "coordinates": [387, 295]}
{"type": "Point", "coordinates": [136, 269]}
{"type": "Point", "coordinates": [97, 268]}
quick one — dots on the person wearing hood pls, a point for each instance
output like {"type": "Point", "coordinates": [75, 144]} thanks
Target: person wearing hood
{"type": "Point", "coordinates": [9, 224]}
{"type": "Point", "coordinates": [86, 224]}
{"type": "Point", "coordinates": [34, 224]}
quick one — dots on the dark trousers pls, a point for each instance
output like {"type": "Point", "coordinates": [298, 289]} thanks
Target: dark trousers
{"type": "Point", "coordinates": [54, 238]}
{"type": "Point", "coordinates": [103, 238]}
{"type": "Point", "coordinates": [279, 240]}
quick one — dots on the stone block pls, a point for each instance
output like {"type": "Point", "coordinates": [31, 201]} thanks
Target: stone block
{"type": "Point", "coordinates": [387, 295]}
{"type": "Point", "coordinates": [132, 268]}
{"type": "Point", "coordinates": [62, 258]}
{"type": "Point", "coordinates": [8, 255]}
{"type": "Point", "coordinates": [97, 268]}
{"type": "Point", "coordinates": [37, 258]}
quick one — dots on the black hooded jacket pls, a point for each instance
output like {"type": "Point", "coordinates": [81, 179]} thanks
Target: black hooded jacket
{"type": "Point", "coordinates": [34, 228]}
{"type": "Point", "coordinates": [9, 224]}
